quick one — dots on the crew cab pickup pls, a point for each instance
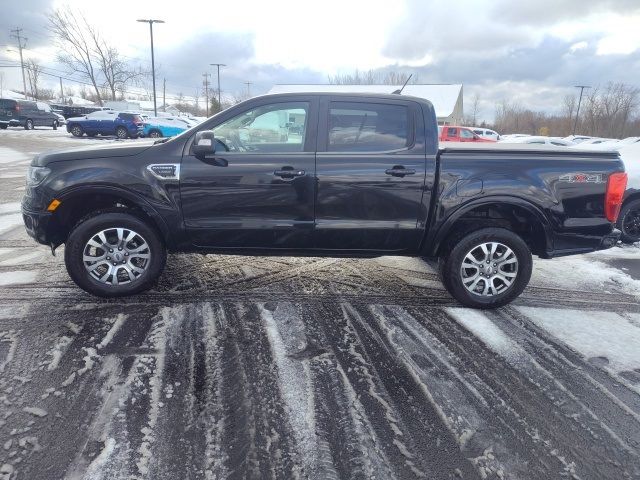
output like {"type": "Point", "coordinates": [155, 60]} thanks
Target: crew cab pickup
{"type": "Point", "coordinates": [360, 175]}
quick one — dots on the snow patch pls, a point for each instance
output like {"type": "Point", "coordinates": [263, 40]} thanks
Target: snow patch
{"type": "Point", "coordinates": [38, 412]}
{"type": "Point", "coordinates": [9, 155]}
{"type": "Point", "coordinates": [13, 207]}
{"type": "Point", "coordinates": [58, 351]}
{"type": "Point", "coordinates": [487, 331]}
{"type": "Point", "coordinates": [592, 334]}
{"type": "Point", "coordinates": [17, 277]}
{"type": "Point", "coordinates": [21, 259]}
{"type": "Point", "coordinates": [10, 221]}
{"type": "Point", "coordinates": [583, 271]}
{"type": "Point", "coordinates": [117, 324]}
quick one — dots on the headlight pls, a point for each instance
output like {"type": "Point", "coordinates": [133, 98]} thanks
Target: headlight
{"type": "Point", "coordinates": [36, 175]}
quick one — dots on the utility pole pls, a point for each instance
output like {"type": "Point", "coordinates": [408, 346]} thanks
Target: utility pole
{"type": "Point", "coordinates": [206, 90]}
{"type": "Point", "coordinates": [218, 65]}
{"type": "Point", "coordinates": [153, 66]}
{"type": "Point", "coordinates": [20, 47]}
{"type": "Point", "coordinates": [61, 91]}
{"type": "Point", "coordinates": [581, 87]}
{"type": "Point", "coordinates": [248, 84]}
{"type": "Point", "coordinates": [164, 94]}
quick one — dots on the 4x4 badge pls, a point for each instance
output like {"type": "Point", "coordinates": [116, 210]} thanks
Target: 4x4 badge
{"type": "Point", "coordinates": [581, 178]}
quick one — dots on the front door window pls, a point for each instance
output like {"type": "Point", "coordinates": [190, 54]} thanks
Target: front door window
{"type": "Point", "coordinates": [275, 128]}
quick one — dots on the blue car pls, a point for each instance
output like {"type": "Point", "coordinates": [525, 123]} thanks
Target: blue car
{"type": "Point", "coordinates": [157, 127]}
{"type": "Point", "coordinates": [107, 122]}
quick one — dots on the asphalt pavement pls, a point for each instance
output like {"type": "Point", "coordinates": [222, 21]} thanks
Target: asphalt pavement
{"type": "Point", "coordinates": [319, 368]}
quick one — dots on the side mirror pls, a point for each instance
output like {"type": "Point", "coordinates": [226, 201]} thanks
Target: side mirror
{"type": "Point", "coordinates": [204, 144]}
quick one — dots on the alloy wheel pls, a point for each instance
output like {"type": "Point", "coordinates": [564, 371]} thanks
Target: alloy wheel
{"type": "Point", "coordinates": [116, 256]}
{"type": "Point", "coordinates": [489, 269]}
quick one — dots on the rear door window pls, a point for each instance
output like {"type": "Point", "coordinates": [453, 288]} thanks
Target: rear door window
{"type": "Point", "coordinates": [368, 127]}
{"type": "Point", "coordinates": [451, 132]}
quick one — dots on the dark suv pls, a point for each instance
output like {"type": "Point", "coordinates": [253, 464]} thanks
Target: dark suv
{"type": "Point", "coordinates": [107, 122]}
{"type": "Point", "coordinates": [28, 114]}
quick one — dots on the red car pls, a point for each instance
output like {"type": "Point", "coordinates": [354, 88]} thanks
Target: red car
{"type": "Point", "coordinates": [460, 134]}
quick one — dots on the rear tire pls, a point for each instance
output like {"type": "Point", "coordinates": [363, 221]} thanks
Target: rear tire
{"type": "Point", "coordinates": [28, 125]}
{"type": "Point", "coordinates": [77, 131]}
{"type": "Point", "coordinates": [155, 134]}
{"type": "Point", "coordinates": [3, 126]}
{"type": "Point", "coordinates": [121, 133]}
{"type": "Point", "coordinates": [474, 282]}
{"type": "Point", "coordinates": [120, 267]}
{"type": "Point", "coordinates": [629, 222]}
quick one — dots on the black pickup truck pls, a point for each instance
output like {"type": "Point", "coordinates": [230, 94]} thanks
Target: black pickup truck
{"type": "Point", "coordinates": [344, 175]}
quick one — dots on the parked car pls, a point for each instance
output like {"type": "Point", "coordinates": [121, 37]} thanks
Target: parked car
{"type": "Point", "coordinates": [486, 133]}
{"type": "Point", "coordinates": [107, 122]}
{"type": "Point", "coordinates": [577, 138]}
{"type": "Point", "coordinates": [460, 134]}
{"type": "Point", "coordinates": [480, 211]}
{"type": "Point", "coordinates": [629, 219]}
{"type": "Point", "coordinates": [27, 114]}
{"type": "Point", "coordinates": [540, 140]}
{"type": "Point", "coordinates": [158, 127]}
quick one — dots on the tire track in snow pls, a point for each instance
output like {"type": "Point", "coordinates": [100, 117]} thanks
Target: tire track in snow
{"type": "Point", "coordinates": [285, 331]}
{"type": "Point", "coordinates": [406, 430]}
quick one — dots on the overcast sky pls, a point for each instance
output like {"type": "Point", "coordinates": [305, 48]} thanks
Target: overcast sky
{"type": "Point", "coordinates": [530, 51]}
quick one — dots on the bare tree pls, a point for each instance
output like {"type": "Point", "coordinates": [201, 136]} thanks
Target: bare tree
{"type": "Point", "coordinates": [114, 69]}
{"type": "Point", "coordinates": [34, 70]}
{"type": "Point", "coordinates": [371, 77]}
{"type": "Point", "coordinates": [74, 36]}
{"type": "Point", "coordinates": [472, 119]}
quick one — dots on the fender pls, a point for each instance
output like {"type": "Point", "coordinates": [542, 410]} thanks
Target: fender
{"type": "Point", "coordinates": [433, 241]}
{"type": "Point", "coordinates": [133, 197]}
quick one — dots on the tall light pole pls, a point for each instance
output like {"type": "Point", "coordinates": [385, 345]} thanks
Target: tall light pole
{"type": "Point", "coordinates": [581, 87]}
{"type": "Point", "coordinates": [153, 66]}
{"type": "Point", "coordinates": [218, 65]}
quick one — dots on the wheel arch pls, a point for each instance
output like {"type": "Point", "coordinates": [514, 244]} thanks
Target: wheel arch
{"type": "Point", "coordinates": [513, 213]}
{"type": "Point", "coordinates": [80, 203]}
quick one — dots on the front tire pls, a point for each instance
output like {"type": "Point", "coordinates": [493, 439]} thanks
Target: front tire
{"type": "Point", "coordinates": [114, 255]}
{"type": "Point", "coordinates": [629, 222]}
{"type": "Point", "coordinates": [28, 125]}
{"type": "Point", "coordinates": [487, 268]}
{"type": "Point", "coordinates": [155, 134]}
{"type": "Point", "coordinates": [77, 131]}
{"type": "Point", "coordinates": [55, 125]}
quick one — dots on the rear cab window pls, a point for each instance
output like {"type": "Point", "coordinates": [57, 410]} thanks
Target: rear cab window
{"type": "Point", "coordinates": [368, 127]}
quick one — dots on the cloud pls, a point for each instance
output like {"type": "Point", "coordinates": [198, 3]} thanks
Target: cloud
{"type": "Point", "coordinates": [549, 12]}
{"type": "Point", "coordinates": [31, 17]}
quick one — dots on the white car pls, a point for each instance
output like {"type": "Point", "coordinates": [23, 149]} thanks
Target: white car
{"type": "Point", "coordinates": [577, 138]}
{"type": "Point", "coordinates": [486, 133]}
{"type": "Point", "coordinates": [612, 144]}
{"type": "Point", "coordinates": [558, 142]}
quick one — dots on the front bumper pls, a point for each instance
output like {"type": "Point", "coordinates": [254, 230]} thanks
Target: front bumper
{"type": "Point", "coordinates": [36, 224]}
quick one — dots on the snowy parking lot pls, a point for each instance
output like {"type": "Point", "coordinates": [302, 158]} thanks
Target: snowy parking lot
{"type": "Point", "coordinates": [268, 367]}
